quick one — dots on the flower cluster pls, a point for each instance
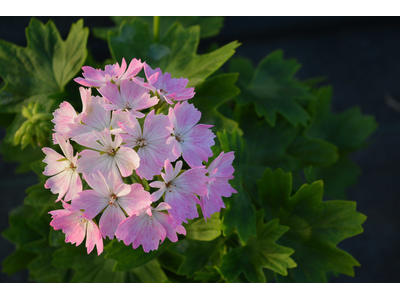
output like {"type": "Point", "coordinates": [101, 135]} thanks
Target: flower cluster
{"type": "Point", "coordinates": [137, 128]}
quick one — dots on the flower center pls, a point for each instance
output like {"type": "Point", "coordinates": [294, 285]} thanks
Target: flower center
{"type": "Point", "coordinates": [71, 167]}
{"type": "Point", "coordinates": [112, 152]}
{"type": "Point", "coordinates": [163, 92]}
{"type": "Point", "coordinates": [113, 198]}
{"type": "Point", "coordinates": [127, 108]}
{"type": "Point", "coordinates": [170, 186]}
{"type": "Point", "coordinates": [141, 143]}
{"type": "Point", "coordinates": [179, 138]}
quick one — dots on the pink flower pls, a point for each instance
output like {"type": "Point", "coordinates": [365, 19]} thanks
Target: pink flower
{"type": "Point", "coordinates": [180, 190]}
{"type": "Point", "coordinates": [113, 73]}
{"type": "Point", "coordinates": [115, 197]}
{"type": "Point", "coordinates": [75, 226]}
{"type": "Point", "coordinates": [152, 142]}
{"type": "Point", "coordinates": [63, 116]}
{"type": "Point", "coordinates": [108, 155]}
{"type": "Point", "coordinates": [193, 141]}
{"type": "Point", "coordinates": [66, 180]}
{"type": "Point", "coordinates": [129, 96]}
{"type": "Point", "coordinates": [166, 87]}
{"type": "Point", "coordinates": [148, 228]}
{"type": "Point", "coordinates": [95, 117]}
{"type": "Point", "coordinates": [219, 173]}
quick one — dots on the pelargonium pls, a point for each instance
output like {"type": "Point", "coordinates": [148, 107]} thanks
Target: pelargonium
{"type": "Point", "coordinates": [136, 131]}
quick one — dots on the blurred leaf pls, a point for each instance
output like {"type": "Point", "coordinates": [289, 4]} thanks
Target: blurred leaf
{"type": "Point", "coordinates": [128, 258]}
{"type": "Point", "coordinates": [210, 95]}
{"type": "Point", "coordinates": [239, 213]}
{"type": "Point", "coordinates": [38, 195]}
{"type": "Point", "coordinates": [151, 272]}
{"type": "Point", "coordinates": [20, 232]}
{"type": "Point", "coordinates": [17, 261]}
{"type": "Point", "coordinates": [41, 269]}
{"type": "Point", "coordinates": [259, 252]}
{"type": "Point", "coordinates": [338, 177]}
{"type": "Point", "coordinates": [283, 146]}
{"type": "Point", "coordinates": [208, 274]}
{"type": "Point", "coordinates": [210, 26]}
{"type": "Point", "coordinates": [24, 157]}
{"type": "Point", "coordinates": [273, 89]}
{"type": "Point", "coordinates": [347, 130]}
{"type": "Point", "coordinates": [175, 53]}
{"type": "Point", "coordinates": [316, 226]}
{"type": "Point", "coordinates": [44, 67]}
{"type": "Point", "coordinates": [197, 254]}
{"type": "Point", "coordinates": [89, 267]}
{"type": "Point", "coordinates": [202, 230]}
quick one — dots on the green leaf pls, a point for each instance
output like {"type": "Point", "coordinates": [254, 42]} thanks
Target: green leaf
{"type": "Point", "coordinates": [41, 269]}
{"type": "Point", "coordinates": [274, 90]}
{"type": "Point", "coordinates": [151, 272]}
{"type": "Point", "coordinates": [210, 95]}
{"type": "Point", "coordinates": [24, 157]}
{"type": "Point", "coordinates": [88, 267]}
{"type": "Point", "coordinates": [44, 67]}
{"type": "Point", "coordinates": [208, 274]}
{"type": "Point", "coordinates": [210, 26]}
{"type": "Point", "coordinates": [316, 226]}
{"type": "Point", "coordinates": [20, 232]}
{"type": "Point", "coordinates": [197, 254]}
{"type": "Point", "coordinates": [128, 258]}
{"type": "Point", "coordinates": [283, 146]}
{"type": "Point", "coordinates": [239, 211]}
{"type": "Point", "coordinates": [338, 177]}
{"type": "Point", "coordinates": [175, 53]}
{"type": "Point", "coordinates": [38, 195]}
{"type": "Point", "coordinates": [259, 252]}
{"type": "Point", "coordinates": [348, 130]}
{"type": "Point", "coordinates": [202, 230]}
{"type": "Point", "coordinates": [17, 261]}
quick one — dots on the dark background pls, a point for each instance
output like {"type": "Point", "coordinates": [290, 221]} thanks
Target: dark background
{"type": "Point", "coordinates": [360, 56]}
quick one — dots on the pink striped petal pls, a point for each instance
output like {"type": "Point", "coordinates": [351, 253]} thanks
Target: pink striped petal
{"type": "Point", "coordinates": [110, 219]}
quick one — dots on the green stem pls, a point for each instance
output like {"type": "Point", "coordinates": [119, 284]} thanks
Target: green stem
{"type": "Point", "coordinates": [156, 28]}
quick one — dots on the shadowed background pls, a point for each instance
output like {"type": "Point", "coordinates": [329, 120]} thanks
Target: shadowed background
{"type": "Point", "coordinates": [360, 56]}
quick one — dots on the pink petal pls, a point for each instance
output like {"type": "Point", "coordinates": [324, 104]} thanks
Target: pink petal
{"type": "Point", "coordinates": [127, 160]}
{"type": "Point", "coordinates": [183, 204]}
{"type": "Point", "coordinates": [93, 237]}
{"type": "Point", "coordinates": [134, 68]}
{"type": "Point", "coordinates": [136, 200]}
{"type": "Point", "coordinates": [91, 201]}
{"type": "Point", "coordinates": [75, 187]}
{"type": "Point", "coordinates": [193, 181]}
{"type": "Point", "coordinates": [59, 183]}
{"type": "Point", "coordinates": [110, 220]}
{"type": "Point", "coordinates": [54, 166]}
{"type": "Point", "coordinates": [62, 117]}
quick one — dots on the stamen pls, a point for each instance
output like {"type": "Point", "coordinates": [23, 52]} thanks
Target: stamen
{"type": "Point", "coordinates": [113, 198]}
{"type": "Point", "coordinates": [141, 143]}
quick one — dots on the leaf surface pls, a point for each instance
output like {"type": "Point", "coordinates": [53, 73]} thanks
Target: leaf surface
{"type": "Point", "coordinates": [315, 226]}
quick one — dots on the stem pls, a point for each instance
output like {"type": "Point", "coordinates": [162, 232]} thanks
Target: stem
{"type": "Point", "coordinates": [156, 28]}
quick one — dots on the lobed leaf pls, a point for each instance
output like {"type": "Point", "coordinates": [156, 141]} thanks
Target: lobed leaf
{"type": "Point", "coordinates": [204, 231]}
{"type": "Point", "coordinates": [210, 95]}
{"type": "Point", "coordinates": [44, 67]}
{"type": "Point", "coordinates": [210, 26]}
{"type": "Point", "coordinates": [259, 252]}
{"type": "Point", "coordinates": [273, 89]}
{"type": "Point", "coordinates": [316, 226]}
{"type": "Point", "coordinates": [175, 53]}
